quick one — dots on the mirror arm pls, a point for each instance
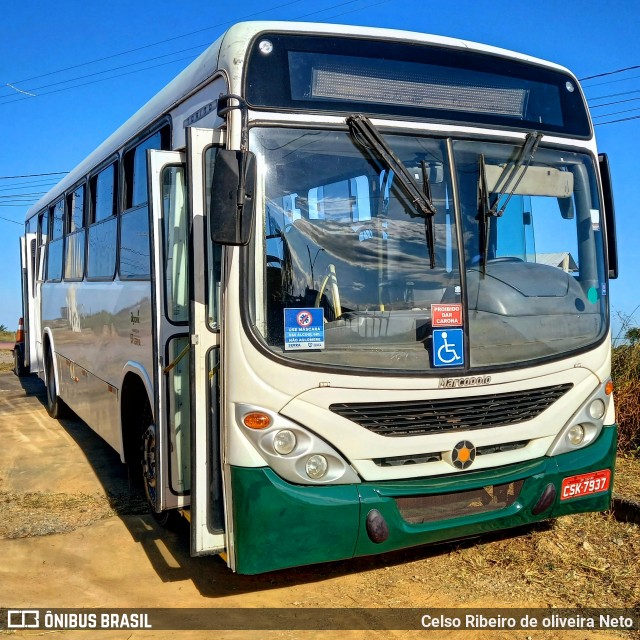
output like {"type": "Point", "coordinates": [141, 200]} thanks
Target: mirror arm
{"type": "Point", "coordinates": [224, 108]}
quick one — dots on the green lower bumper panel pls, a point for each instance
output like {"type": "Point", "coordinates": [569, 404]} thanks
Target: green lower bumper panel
{"type": "Point", "coordinates": [279, 525]}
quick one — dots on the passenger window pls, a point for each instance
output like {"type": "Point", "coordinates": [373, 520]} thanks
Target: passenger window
{"type": "Point", "coordinates": [55, 245]}
{"type": "Point", "coordinates": [103, 230]}
{"type": "Point", "coordinates": [57, 220]}
{"type": "Point", "coordinates": [74, 245]}
{"type": "Point", "coordinates": [135, 168]}
{"type": "Point", "coordinates": [135, 258]}
{"type": "Point", "coordinates": [43, 236]}
{"type": "Point", "coordinates": [103, 194]}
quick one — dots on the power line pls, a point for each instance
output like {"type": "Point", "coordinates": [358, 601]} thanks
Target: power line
{"type": "Point", "coordinates": [97, 73]}
{"type": "Point", "coordinates": [610, 73]}
{"type": "Point", "coordinates": [9, 220]}
{"type": "Point", "coordinates": [34, 175]}
{"type": "Point", "coordinates": [597, 124]}
{"type": "Point", "coordinates": [608, 104]}
{"type": "Point", "coordinates": [155, 44]}
{"type": "Point", "coordinates": [27, 97]}
{"type": "Point", "coordinates": [28, 185]}
{"type": "Point", "coordinates": [615, 113]}
{"type": "Point", "coordinates": [614, 95]}
{"type": "Point", "coordinates": [598, 84]}
{"type": "Point", "coordinates": [84, 84]}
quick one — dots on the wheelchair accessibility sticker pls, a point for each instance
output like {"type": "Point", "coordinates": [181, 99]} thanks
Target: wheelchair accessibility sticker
{"type": "Point", "coordinates": [303, 329]}
{"type": "Point", "coordinates": [448, 348]}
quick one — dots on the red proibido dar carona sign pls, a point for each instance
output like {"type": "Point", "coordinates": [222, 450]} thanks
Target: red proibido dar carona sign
{"type": "Point", "coordinates": [446, 315]}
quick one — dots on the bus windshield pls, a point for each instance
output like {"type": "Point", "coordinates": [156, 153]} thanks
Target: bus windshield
{"type": "Point", "coordinates": [339, 238]}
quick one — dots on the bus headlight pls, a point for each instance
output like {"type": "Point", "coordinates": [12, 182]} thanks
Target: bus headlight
{"type": "Point", "coordinates": [585, 425]}
{"type": "Point", "coordinates": [294, 452]}
{"type": "Point", "coordinates": [284, 442]}
{"type": "Point", "coordinates": [316, 466]}
{"type": "Point", "coordinates": [597, 409]}
{"type": "Point", "coordinates": [575, 435]}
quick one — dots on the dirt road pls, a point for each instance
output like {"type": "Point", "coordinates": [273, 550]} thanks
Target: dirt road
{"type": "Point", "coordinates": [70, 536]}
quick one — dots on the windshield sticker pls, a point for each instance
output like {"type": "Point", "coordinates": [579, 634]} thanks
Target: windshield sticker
{"type": "Point", "coordinates": [448, 348]}
{"type": "Point", "coordinates": [446, 315]}
{"type": "Point", "coordinates": [303, 329]}
{"type": "Point", "coordinates": [595, 219]}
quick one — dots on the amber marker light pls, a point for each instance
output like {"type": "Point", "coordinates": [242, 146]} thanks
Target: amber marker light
{"type": "Point", "coordinates": [608, 388]}
{"type": "Point", "coordinates": [257, 420]}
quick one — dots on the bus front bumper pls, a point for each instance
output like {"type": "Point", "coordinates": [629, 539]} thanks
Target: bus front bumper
{"type": "Point", "coordinates": [279, 525]}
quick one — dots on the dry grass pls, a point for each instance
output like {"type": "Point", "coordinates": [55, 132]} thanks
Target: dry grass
{"type": "Point", "coordinates": [6, 360]}
{"type": "Point", "coordinates": [625, 368]}
{"type": "Point", "coordinates": [627, 477]}
{"type": "Point", "coordinates": [25, 515]}
{"type": "Point", "coordinates": [577, 561]}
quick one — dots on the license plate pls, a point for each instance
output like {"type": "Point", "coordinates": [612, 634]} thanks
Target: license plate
{"type": "Point", "coordinates": [586, 484]}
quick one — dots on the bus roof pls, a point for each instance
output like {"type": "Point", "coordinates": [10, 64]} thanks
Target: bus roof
{"type": "Point", "coordinates": [222, 54]}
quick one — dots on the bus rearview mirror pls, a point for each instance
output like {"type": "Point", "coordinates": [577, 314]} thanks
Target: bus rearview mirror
{"type": "Point", "coordinates": [232, 197]}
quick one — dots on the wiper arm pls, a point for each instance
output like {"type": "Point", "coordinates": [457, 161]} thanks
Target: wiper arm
{"type": "Point", "coordinates": [509, 175]}
{"type": "Point", "coordinates": [368, 137]}
{"type": "Point", "coordinates": [525, 158]}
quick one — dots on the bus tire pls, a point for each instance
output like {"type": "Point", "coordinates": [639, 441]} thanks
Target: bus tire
{"type": "Point", "coordinates": [149, 472]}
{"type": "Point", "coordinates": [56, 407]}
{"type": "Point", "coordinates": [18, 367]}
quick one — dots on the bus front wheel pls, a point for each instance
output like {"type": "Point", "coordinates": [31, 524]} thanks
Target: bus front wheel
{"type": "Point", "coordinates": [149, 462]}
{"type": "Point", "coordinates": [18, 367]}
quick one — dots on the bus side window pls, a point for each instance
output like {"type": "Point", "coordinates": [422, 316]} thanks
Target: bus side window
{"type": "Point", "coordinates": [74, 238]}
{"type": "Point", "coordinates": [135, 257]}
{"type": "Point", "coordinates": [56, 240]}
{"type": "Point", "coordinates": [102, 231]}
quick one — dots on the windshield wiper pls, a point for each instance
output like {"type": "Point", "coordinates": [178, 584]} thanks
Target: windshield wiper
{"type": "Point", "coordinates": [486, 211]}
{"type": "Point", "coordinates": [368, 137]}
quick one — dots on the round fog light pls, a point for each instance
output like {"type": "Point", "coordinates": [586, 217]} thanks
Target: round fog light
{"type": "Point", "coordinates": [575, 435]}
{"type": "Point", "coordinates": [316, 467]}
{"type": "Point", "coordinates": [284, 442]}
{"type": "Point", "coordinates": [597, 409]}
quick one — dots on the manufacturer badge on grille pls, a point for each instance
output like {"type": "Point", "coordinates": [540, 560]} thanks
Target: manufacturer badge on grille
{"type": "Point", "coordinates": [463, 455]}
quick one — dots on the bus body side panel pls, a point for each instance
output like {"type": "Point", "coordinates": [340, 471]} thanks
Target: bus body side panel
{"type": "Point", "coordinates": [279, 525]}
{"type": "Point", "coordinates": [98, 327]}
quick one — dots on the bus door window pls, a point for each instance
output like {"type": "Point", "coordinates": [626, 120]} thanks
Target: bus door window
{"type": "Point", "coordinates": [214, 251]}
{"type": "Point", "coordinates": [176, 295]}
{"type": "Point", "coordinates": [176, 244]}
{"type": "Point", "coordinates": [102, 231]}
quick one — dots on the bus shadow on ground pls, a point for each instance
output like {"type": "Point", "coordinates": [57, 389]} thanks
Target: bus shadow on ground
{"type": "Point", "coordinates": [168, 549]}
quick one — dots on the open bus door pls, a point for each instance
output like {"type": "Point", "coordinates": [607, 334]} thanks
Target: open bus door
{"type": "Point", "coordinates": [209, 533]}
{"type": "Point", "coordinates": [188, 435]}
{"type": "Point", "coordinates": [30, 308]}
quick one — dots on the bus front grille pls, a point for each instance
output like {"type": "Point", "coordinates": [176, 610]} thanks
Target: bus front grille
{"type": "Point", "coordinates": [421, 509]}
{"type": "Point", "coordinates": [450, 414]}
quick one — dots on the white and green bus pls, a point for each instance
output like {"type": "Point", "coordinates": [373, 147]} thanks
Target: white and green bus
{"type": "Point", "coordinates": [336, 291]}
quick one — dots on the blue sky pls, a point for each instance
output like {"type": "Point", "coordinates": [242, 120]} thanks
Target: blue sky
{"type": "Point", "coordinates": [55, 129]}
